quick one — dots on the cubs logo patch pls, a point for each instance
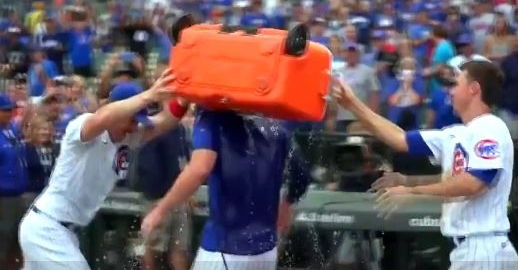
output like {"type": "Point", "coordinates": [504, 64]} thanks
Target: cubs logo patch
{"type": "Point", "coordinates": [121, 161]}
{"type": "Point", "coordinates": [460, 160]}
{"type": "Point", "coordinates": [487, 149]}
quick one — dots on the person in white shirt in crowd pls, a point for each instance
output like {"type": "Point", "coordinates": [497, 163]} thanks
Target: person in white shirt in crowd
{"type": "Point", "coordinates": [366, 87]}
{"type": "Point", "coordinates": [480, 23]}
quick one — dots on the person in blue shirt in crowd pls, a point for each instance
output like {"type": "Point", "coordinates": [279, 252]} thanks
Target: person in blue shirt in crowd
{"type": "Point", "coordinates": [378, 40]}
{"type": "Point", "coordinates": [80, 40]}
{"type": "Point", "coordinates": [54, 42]}
{"type": "Point", "coordinates": [510, 94]}
{"type": "Point", "coordinates": [363, 21]}
{"type": "Point", "coordinates": [40, 72]}
{"type": "Point", "coordinates": [255, 17]}
{"type": "Point", "coordinates": [318, 29]}
{"type": "Point", "coordinates": [41, 154]}
{"type": "Point", "coordinates": [243, 158]}
{"type": "Point", "coordinates": [405, 94]}
{"type": "Point", "coordinates": [13, 182]}
{"type": "Point", "coordinates": [158, 163]}
{"type": "Point", "coordinates": [388, 17]}
{"type": "Point", "coordinates": [455, 23]}
{"type": "Point", "coordinates": [420, 33]}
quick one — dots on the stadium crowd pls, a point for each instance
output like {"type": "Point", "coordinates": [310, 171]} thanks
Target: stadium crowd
{"type": "Point", "coordinates": [59, 59]}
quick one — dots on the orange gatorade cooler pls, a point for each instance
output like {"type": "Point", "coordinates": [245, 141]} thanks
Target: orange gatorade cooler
{"type": "Point", "coordinates": [270, 72]}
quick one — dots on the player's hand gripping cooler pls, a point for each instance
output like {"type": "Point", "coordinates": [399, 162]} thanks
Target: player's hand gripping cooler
{"type": "Point", "coordinates": [271, 72]}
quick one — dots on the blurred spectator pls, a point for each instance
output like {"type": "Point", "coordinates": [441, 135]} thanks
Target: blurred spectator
{"type": "Point", "coordinates": [40, 72]}
{"type": "Point", "coordinates": [80, 47]}
{"type": "Point", "coordinates": [159, 163]}
{"type": "Point", "coordinates": [515, 20]}
{"type": "Point", "coordinates": [480, 23]}
{"type": "Point", "coordinates": [387, 61]}
{"type": "Point", "coordinates": [455, 24]}
{"type": "Point", "coordinates": [406, 48]}
{"type": "Point", "coordinates": [52, 107]}
{"type": "Point", "coordinates": [440, 110]}
{"type": "Point", "coordinates": [255, 17]}
{"type": "Point", "coordinates": [35, 17]}
{"type": "Point", "coordinates": [54, 42]}
{"type": "Point", "coordinates": [138, 33]}
{"type": "Point", "coordinates": [510, 93]}
{"type": "Point", "coordinates": [466, 52]}
{"type": "Point", "coordinates": [81, 100]}
{"type": "Point", "coordinates": [14, 54]}
{"type": "Point", "coordinates": [217, 16]}
{"type": "Point", "coordinates": [18, 94]}
{"type": "Point", "coordinates": [506, 7]}
{"type": "Point", "coordinates": [378, 40]}
{"type": "Point", "coordinates": [41, 155]}
{"type": "Point", "coordinates": [362, 79]}
{"type": "Point", "coordinates": [9, 19]}
{"type": "Point", "coordinates": [443, 52]}
{"type": "Point", "coordinates": [362, 19]}
{"type": "Point", "coordinates": [121, 68]}
{"type": "Point", "coordinates": [444, 49]}
{"type": "Point", "coordinates": [13, 183]}
{"type": "Point", "coordinates": [350, 35]}
{"type": "Point", "coordinates": [318, 29]}
{"type": "Point", "coordinates": [388, 17]}
{"type": "Point", "coordinates": [499, 43]}
{"type": "Point", "coordinates": [406, 95]}
{"type": "Point", "coordinates": [420, 33]}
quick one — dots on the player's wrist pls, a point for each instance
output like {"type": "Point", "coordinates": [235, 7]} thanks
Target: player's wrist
{"type": "Point", "coordinates": [162, 209]}
{"type": "Point", "coordinates": [147, 97]}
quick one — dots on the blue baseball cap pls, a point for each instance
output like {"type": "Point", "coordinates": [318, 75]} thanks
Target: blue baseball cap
{"type": "Point", "coordinates": [351, 46]}
{"type": "Point", "coordinates": [465, 39]}
{"type": "Point", "coordinates": [126, 90]}
{"type": "Point", "coordinates": [6, 104]}
{"type": "Point", "coordinates": [379, 34]}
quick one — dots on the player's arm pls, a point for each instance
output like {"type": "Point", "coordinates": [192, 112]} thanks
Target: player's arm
{"type": "Point", "coordinates": [382, 128]}
{"type": "Point", "coordinates": [192, 177]}
{"type": "Point", "coordinates": [299, 180]}
{"type": "Point", "coordinates": [171, 114]}
{"type": "Point", "coordinates": [394, 179]}
{"type": "Point", "coordinates": [465, 184]}
{"type": "Point", "coordinates": [299, 176]}
{"type": "Point", "coordinates": [123, 110]}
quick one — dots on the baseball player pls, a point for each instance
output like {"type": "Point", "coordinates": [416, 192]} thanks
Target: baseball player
{"type": "Point", "coordinates": [94, 154]}
{"type": "Point", "coordinates": [243, 158]}
{"type": "Point", "coordinates": [476, 157]}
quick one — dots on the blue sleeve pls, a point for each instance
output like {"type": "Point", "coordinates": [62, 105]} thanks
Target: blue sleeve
{"type": "Point", "coordinates": [487, 176]}
{"type": "Point", "coordinates": [244, 20]}
{"type": "Point", "coordinates": [419, 85]}
{"type": "Point", "coordinates": [417, 145]}
{"type": "Point", "coordinates": [299, 176]}
{"type": "Point", "coordinates": [205, 131]}
{"type": "Point", "coordinates": [435, 102]}
{"type": "Point", "coordinates": [413, 33]}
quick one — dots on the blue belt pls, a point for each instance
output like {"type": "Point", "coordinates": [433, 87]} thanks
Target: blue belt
{"type": "Point", "coordinates": [69, 225]}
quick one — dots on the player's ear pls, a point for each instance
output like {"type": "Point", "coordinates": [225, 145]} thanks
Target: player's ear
{"type": "Point", "coordinates": [474, 88]}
